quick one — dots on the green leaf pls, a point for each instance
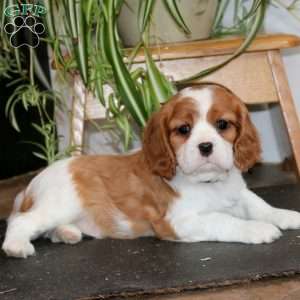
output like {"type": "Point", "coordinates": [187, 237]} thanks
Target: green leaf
{"type": "Point", "coordinates": [221, 8]}
{"type": "Point", "coordinates": [126, 87]}
{"type": "Point", "coordinates": [133, 53]}
{"type": "Point", "coordinates": [161, 88]}
{"type": "Point", "coordinates": [82, 42]}
{"type": "Point", "coordinates": [50, 22]}
{"type": "Point", "coordinates": [144, 13]}
{"type": "Point", "coordinates": [176, 15]}
{"type": "Point", "coordinates": [39, 129]}
{"type": "Point", "coordinates": [146, 93]}
{"type": "Point", "coordinates": [40, 146]}
{"type": "Point", "coordinates": [39, 155]}
{"type": "Point", "coordinates": [137, 73]}
{"type": "Point", "coordinates": [72, 17]}
{"type": "Point", "coordinates": [123, 123]}
{"type": "Point", "coordinates": [112, 105]}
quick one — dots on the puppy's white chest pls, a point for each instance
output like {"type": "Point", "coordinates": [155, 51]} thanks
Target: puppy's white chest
{"type": "Point", "coordinates": [205, 197]}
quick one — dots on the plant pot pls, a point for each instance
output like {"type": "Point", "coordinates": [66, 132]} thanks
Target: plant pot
{"type": "Point", "coordinates": [197, 14]}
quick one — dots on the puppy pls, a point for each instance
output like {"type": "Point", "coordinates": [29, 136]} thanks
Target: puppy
{"type": "Point", "coordinates": [185, 184]}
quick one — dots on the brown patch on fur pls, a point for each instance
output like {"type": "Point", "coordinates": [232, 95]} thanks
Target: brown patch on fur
{"type": "Point", "coordinates": [161, 138]}
{"type": "Point", "coordinates": [247, 145]}
{"type": "Point", "coordinates": [26, 204]}
{"type": "Point", "coordinates": [159, 155]}
{"type": "Point", "coordinates": [163, 229]}
{"type": "Point", "coordinates": [241, 132]}
{"type": "Point", "coordinates": [225, 107]}
{"type": "Point", "coordinates": [185, 113]}
{"type": "Point", "coordinates": [110, 186]}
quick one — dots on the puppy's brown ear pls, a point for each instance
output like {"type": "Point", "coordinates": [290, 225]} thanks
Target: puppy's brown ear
{"type": "Point", "coordinates": [157, 149]}
{"type": "Point", "coordinates": [247, 147]}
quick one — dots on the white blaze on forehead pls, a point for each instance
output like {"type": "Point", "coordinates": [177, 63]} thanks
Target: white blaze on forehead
{"type": "Point", "coordinates": [203, 98]}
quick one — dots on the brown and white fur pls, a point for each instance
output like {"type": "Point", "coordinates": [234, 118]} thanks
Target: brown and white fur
{"type": "Point", "coordinates": [185, 184]}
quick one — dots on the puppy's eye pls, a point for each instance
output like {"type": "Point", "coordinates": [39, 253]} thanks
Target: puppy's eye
{"type": "Point", "coordinates": [184, 129]}
{"type": "Point", "coordinates": [222, 124]}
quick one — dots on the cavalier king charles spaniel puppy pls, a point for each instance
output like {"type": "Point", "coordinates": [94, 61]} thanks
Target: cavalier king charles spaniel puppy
{"type": "Point", "coordinates": [185, 184]}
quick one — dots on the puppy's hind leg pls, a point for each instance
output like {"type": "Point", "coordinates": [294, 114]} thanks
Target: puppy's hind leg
{"type": "Point", "coordinates": [52, 201]}
{"type": "Point", "coordinates": [24, 227]}
{"type": "Point", "coordinates": [21, 229]}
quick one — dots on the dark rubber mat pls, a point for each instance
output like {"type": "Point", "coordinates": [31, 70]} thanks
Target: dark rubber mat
{"type": "Point", "coordinates": [97, 269]}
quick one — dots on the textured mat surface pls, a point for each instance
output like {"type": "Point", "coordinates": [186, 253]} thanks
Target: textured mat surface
{"type": "Point", "coordinates": [99, 268]}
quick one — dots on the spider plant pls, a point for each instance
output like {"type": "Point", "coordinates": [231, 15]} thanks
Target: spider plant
{"type": "Point", "coordinates": [84, 41]}
{"type": "Point", "coordinates": [92, 44]}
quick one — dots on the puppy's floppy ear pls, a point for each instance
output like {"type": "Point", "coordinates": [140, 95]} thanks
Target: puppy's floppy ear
{"type": "Point", "coordinates": [247, 145]}
{"type": "Point", "coordinates": [157, 148]}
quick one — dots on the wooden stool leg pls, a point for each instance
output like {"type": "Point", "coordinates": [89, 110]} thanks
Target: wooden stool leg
{"type": "Point", "coordinates": [78, 116]}
{"type": "Point", "coordinates": [286, 102]}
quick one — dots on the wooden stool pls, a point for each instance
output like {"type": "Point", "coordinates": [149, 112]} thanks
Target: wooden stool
{"type": "Point", "coordinates": [257, 76]}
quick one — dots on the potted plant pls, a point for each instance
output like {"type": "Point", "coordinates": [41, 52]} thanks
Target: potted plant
{"type": "Point", "coordinates": [88, 56]}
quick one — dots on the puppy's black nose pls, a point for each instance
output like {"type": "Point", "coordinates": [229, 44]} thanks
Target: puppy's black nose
{"type": "Point", "coordinates": [205, 148]}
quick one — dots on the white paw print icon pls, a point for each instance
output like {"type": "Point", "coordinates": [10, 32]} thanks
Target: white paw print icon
{"type": "Point", "coordinates": [24, 31]}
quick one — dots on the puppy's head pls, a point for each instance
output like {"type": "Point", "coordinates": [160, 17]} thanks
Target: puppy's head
{"type": "Point", "coordinates": [204, 131]}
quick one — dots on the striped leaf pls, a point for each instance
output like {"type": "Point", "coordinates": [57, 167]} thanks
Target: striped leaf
{"type": "Point", "coordinates": [174, 11]}
{"type": "Point", "coordinates": [127, 89]}
{"type": "Point", "coordinates": [161, 88]}
{"type": "Point", "coordinates": [144, 13]}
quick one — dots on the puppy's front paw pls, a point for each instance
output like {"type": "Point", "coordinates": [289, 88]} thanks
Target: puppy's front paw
{"type": "Point", "coordinates": [286, 219]}
{"type": "Point", "coordinates": [18, 248]}
{"type": "Point", "coordinates": [260, 232]}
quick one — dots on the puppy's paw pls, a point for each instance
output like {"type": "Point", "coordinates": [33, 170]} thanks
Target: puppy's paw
{"type": "Point", "coordinates": [286, 219]}
{"type": "Point", "coordinates": [18, 248]}
{"type": "Point", "coordinates": [68, 234]}
{"type": "Point", "coordinates": [260, 232]}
